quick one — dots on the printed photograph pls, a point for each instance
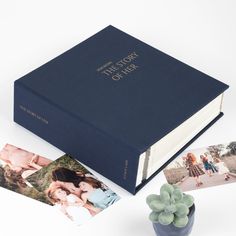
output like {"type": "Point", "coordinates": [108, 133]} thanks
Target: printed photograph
{"type": "Point", "coordinates": [16, 165]}
{"type": "Point", "coordinates": [203, 167]}
{"type": "Point", "coordinates": [71, 188]}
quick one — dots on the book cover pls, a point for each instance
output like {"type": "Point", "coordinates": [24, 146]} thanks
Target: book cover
{"type": "Point", "coordinates": [110, 98]}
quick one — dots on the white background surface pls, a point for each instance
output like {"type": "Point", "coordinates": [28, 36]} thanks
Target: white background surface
{"type": "Point", "coordinates": [201, 33]}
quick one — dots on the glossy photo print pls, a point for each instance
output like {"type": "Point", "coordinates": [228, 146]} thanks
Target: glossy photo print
{"type": "Point", "coordinates": [16, 164]}
{"type": "Point", "coordinates": [203, 167]}
{"type": "Point", "coordinates": [71, 188]}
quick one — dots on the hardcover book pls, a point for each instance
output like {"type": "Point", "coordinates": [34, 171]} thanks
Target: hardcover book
{"type": "Point", "coordinates": [118, 105]}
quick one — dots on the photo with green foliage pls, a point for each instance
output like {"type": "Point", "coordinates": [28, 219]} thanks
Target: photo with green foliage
{"type": "Point", "coordinates": [17, 184]}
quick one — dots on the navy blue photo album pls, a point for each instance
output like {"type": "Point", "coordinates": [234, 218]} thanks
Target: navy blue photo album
{"type": "Point", "coordinates": [118, 105]}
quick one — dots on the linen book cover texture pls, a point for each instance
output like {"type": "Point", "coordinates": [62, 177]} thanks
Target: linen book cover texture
{"type": "Point", "coordinates": [108, 99]}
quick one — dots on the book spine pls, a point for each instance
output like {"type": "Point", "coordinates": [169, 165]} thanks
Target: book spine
{"type": "Point", "coordinates": [101, 152]}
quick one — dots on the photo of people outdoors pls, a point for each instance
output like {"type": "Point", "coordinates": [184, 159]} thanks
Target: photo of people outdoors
{"type": "Point", "coordinates": [70, 187]}
{"type": "Point", "coordinates": [15, 165]}
{"type": "Point", "coordinates": [203, 167]}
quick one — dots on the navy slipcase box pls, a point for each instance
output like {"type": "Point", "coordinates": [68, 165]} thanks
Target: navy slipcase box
{"type": "Point", "coordinates": [108, 99]}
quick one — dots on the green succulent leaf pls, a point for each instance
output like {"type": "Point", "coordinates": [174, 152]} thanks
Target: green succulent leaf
{"type": "Point", "coordinates": [170, 208]}
{"type": "Point", "coordinates": [181, 210]}
{"type": "Point", "coordinates": [188, 200]}
{"type": "Point", "coordinates": [152, 197]}
{"type": "Point", "coordinates": [165, 218]}
{"type": "Point", "coordinates": [167, 188]}
{"type": "Point", "coordinates": [157, 205]}
{"type": "Point", "coordinates": [175, 186]}
{"type": "Point", "coordinates": [153, 216]}
{"type": "Point", "coordinates": [177, 194]}
{"type": "Point", "coordinates": [180, 221]}
{"type": "Point", "coordinates": [165, 197]}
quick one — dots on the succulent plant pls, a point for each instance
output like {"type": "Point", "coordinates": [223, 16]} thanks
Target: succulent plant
{"type": "Point", "coordinates": [171, 206]}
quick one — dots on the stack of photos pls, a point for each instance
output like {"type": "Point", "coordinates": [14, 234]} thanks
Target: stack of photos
{"type": "Point", "coordinates": [203, 167]}
{"type": "Point", "coordinates": [63, 183]}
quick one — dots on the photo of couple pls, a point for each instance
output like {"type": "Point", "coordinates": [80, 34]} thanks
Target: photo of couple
{"type": "Point", "coordinates": [70, 187]}
{"type": "Point", "coordinates": [16, 164]}
{"type": "Point", "coordinates": [203, 167]}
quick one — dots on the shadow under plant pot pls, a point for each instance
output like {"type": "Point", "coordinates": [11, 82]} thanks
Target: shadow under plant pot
{"type": "Point", "coordinates": [171, 230]}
